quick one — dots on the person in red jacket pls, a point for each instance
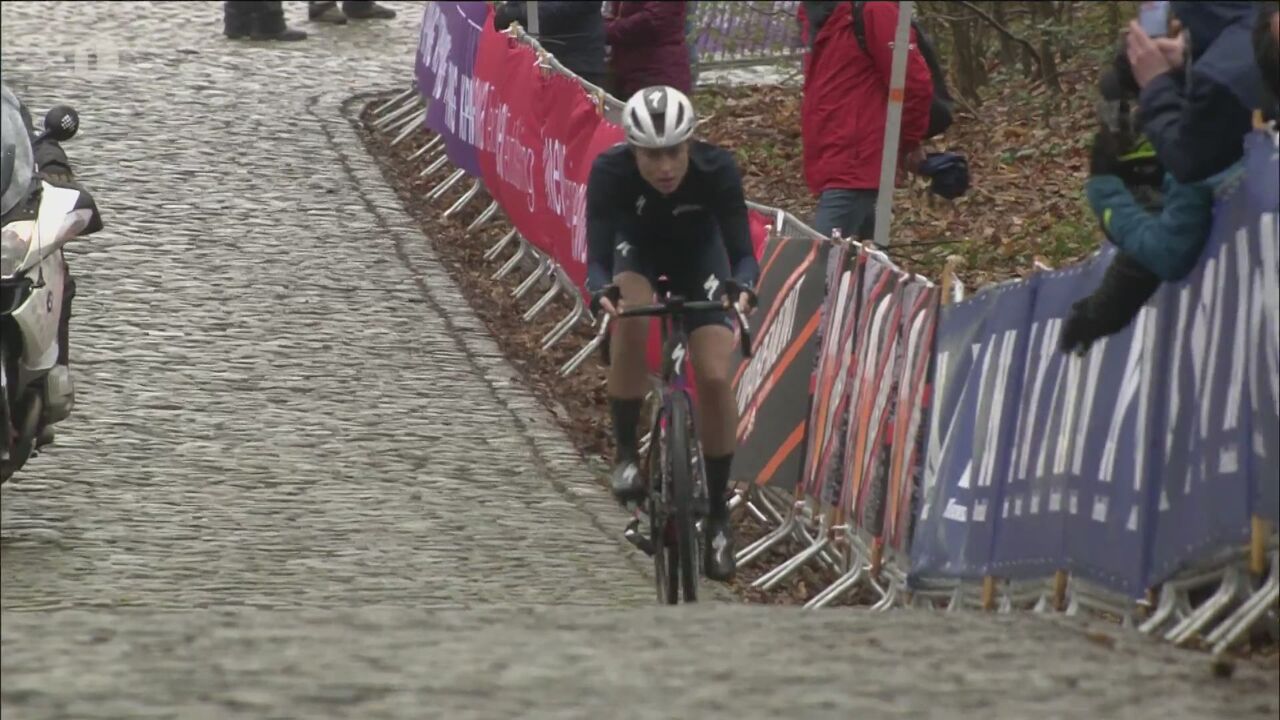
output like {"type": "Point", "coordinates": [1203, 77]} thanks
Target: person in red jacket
{"type": "Point", "coordinates": [648, 46]}
{"type": "Point", "coordinates": [842, 115]}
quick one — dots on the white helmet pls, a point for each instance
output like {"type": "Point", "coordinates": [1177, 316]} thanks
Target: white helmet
{"type": "Point", "coordinates": [658, 117]}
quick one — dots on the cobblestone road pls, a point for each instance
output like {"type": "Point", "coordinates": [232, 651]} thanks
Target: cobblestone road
{"type": "Point", "coordinates": [300, 480]}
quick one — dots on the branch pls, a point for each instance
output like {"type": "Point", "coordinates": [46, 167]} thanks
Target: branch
{"type": "Point", "coordinates": [1005, 32]}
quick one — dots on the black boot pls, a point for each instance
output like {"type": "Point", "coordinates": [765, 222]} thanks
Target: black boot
{"type": "Point", "coordinates": [268, 24]}
{"type": "Point", "coordinates": [627, 483]}
{"type": "Point", "coordinates": [366, 10]}
{"type": "Point", "coordinates": [717, 543]}
{"type": "Point", "coordinates": [237, 18]}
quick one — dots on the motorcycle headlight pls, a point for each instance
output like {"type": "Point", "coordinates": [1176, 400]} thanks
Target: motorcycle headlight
{"type": "Point", "coordinates": [15, 241]}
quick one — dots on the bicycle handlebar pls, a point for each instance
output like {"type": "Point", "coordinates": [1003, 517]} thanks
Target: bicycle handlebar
{"type": "Point", "coordinates": [679, 306]}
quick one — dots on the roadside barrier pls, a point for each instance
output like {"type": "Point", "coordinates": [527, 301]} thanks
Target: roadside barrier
{"type": "Point", "coordinates": [931, 446]}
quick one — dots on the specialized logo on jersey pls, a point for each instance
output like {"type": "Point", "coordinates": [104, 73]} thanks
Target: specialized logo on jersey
{"type": "Point", "coordinates": [639, 204]}
{"type": "Point", "coordinates": [711, 285]}
{"type": "Point", "coordinates": [623, 248]}
{"type": "Point", "coordinates": [680, 209]}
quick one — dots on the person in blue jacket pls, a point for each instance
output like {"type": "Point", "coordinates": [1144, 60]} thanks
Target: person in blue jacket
{"type": "Point", "coordinates": [1199, 90]}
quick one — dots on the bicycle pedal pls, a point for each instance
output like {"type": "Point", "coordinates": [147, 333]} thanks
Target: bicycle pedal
{"type": "Point", "coordinates": [636, 538]}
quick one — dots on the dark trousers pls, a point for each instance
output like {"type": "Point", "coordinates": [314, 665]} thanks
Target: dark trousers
{"type": "Point", "coordinates": [253, 16]}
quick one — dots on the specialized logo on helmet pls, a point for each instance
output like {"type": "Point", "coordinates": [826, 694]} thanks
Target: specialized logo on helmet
{"type": "Point", "coordinates": [657, 100]}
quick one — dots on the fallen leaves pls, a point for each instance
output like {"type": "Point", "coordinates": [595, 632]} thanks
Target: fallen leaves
{"type": "Point", "coordinates": [1027, 175]}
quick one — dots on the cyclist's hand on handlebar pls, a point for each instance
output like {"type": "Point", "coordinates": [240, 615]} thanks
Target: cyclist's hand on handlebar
{"type": "Point", "coordinates": [744, 300]}
{"type": "Point", "coordinates": [607, 300]}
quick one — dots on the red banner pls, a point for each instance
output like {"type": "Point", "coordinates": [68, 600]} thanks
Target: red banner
{"type": "Point", "coordinates": [871, 392]}
{"type": "Point", "coordinates": [920, 312]}
{"type": "Point", "coordinates": [829, 411]}
{"type": "Point", "coordinates": [540, 132]}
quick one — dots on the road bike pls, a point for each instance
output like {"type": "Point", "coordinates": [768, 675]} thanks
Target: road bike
{"type": "Point", "coordinates": [676, 501]}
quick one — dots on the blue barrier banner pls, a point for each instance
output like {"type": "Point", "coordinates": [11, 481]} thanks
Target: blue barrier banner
{"type": "Point", "coordinates": [1109, 514]}
{"type": "Point", "coordinates": [1139, 459]}
{"type": "Point", "coordinates": [1204, 459]}
{"type": "Point", "coordinates": [1051, 424]}
{"type": "Point", "coordinates": [981, 349]}
{"type": "Point", "coordinates": [1262, 179]}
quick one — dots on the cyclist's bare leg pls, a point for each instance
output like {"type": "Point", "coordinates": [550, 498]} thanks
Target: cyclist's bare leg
{"type": "Point", "coordinates": [711, 347]}
{"type": "Point", "coordinates": [628, 383]}
{"type": "Point", "coordinates": [628, 376]}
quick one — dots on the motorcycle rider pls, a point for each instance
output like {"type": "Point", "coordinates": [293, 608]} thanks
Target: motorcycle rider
{"type": "Point", "coordinates": [24, 165]}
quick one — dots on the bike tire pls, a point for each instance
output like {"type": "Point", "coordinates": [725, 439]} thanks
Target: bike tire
{"type": "Point", "coordinates": [666, 561]}
{"type": "Point", "coordinates": [680, 469]}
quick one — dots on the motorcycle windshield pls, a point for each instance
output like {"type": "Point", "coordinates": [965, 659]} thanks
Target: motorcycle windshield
{"type": "Point", "coordinates": [17, 165]}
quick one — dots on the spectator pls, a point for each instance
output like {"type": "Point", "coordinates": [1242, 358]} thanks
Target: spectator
{"type": "Point", "coordinates": [327, 11]}
{"type": "Point", "coordinates": [1197, 120]}
{"type": "Point", "coordinates": [649, 47]}
{"type": "Point", "coordinates": [842, 115]}
{"type": "Point", "coordinates": [1161, 243]}
{"type": "Point", "coordinates": [571, 31]}
{"type": "Point", "coordinates": [257, 20]}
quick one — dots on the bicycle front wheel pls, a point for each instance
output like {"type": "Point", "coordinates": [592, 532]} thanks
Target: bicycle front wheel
{"type": "Point", "coordinates": [680, 474]}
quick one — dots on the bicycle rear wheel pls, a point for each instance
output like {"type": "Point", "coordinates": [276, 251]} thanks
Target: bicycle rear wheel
{"type": "Point", "coordinates": [679, 436]}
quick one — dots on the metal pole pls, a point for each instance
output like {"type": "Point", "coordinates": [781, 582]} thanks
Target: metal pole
{"type": "Point", "coordinates": [893, 124]}
{"type": "Point", "coordinates": [531, 14]}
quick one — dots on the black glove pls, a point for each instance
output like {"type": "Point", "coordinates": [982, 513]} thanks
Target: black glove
{"type": "Point", "coordinates": [612, 292]}
{"type": "Point", "coordinates": [1105, 154]}
{"type": "Point", "coordinates": [1125, 289]}
{"type": "Point", "coordinates": [731, 289]}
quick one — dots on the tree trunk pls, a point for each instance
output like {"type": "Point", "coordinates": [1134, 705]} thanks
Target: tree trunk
{"type": "Point", "coordinates": [1008, 51]}
{"type": "Point", "coordinates": [1050, 69]}
{"type": "Point", "coordinates": [966, 79]}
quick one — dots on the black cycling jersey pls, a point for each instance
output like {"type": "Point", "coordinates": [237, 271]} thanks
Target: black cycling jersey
{"type": "Point", "coordinates": [708, 207]}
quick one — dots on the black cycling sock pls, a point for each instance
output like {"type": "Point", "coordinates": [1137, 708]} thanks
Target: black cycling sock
{"type": "Point", "coordinates": [626, 418]}
{"type": "Point", "coordinates": [717, 481]}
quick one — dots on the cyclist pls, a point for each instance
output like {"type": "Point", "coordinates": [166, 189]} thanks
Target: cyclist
{"type": "Point", "coordinates": [665, 204]}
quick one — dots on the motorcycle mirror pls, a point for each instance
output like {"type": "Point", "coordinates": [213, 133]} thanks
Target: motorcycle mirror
{"type": "Point", "coordinates": [61, 123]}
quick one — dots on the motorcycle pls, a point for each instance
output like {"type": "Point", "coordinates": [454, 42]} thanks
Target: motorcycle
{"type": "Point", "coordinates": [33, 274]}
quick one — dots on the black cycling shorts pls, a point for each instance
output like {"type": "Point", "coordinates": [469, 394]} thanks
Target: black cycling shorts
{"type": "Point", "coordinates": [694, 271]}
